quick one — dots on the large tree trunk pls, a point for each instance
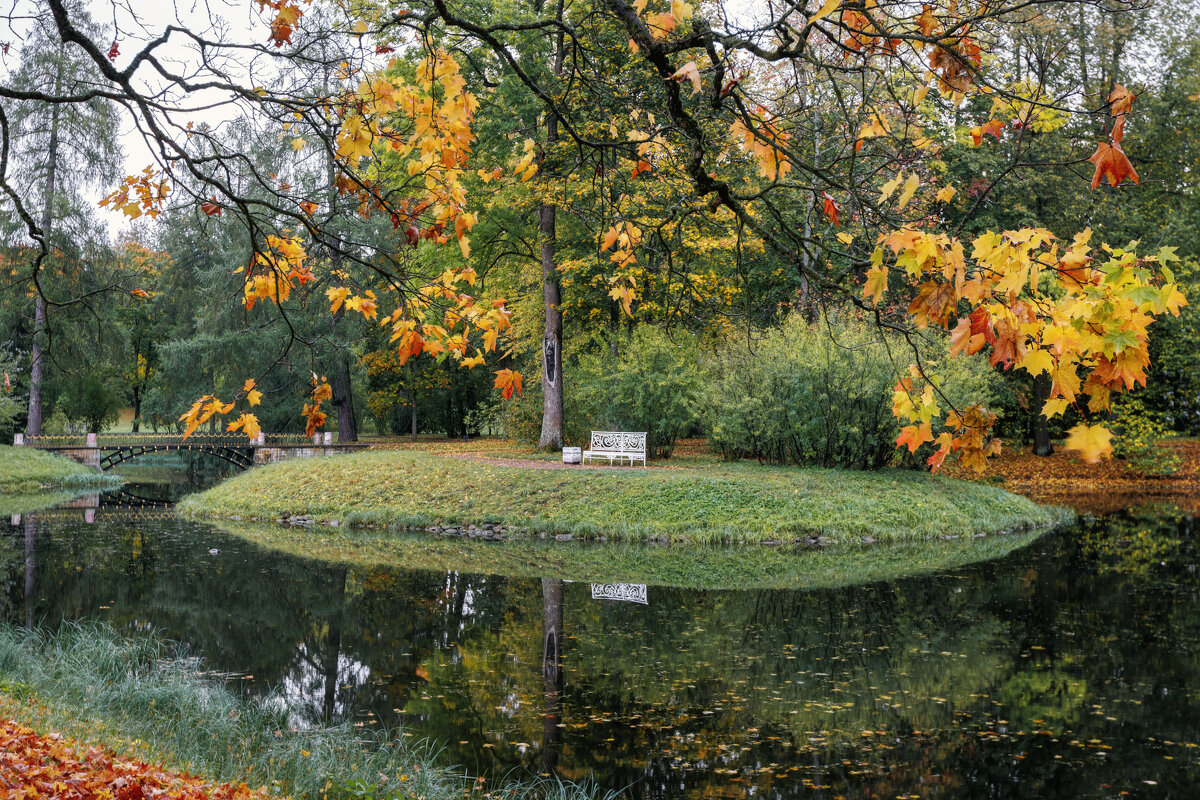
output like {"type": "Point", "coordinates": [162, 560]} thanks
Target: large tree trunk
{"type": "Point", "coordinates": [1040, 425]}
{"type": "Point", "coordinates": [552, 379]}
{"type": "Point", "coordinates": [137, 408]}
{"type": "Point", "coordinates": [33, 425]}
{"type": "Point", "coordinates": [343, 399]}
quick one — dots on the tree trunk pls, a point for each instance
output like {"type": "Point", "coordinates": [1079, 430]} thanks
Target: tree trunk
{"type": "Point", "coordinates": [552, 380]}
{"type": "Point", "coordinates": [343, 399]}
{"type": "Point", "coordinates": [33, 425]}
{"type": "Point", "coordinates": [1040, 425]}
{"type": "Point", "coordinates": [412, 398]}
{"type": "Point", "coordinates": [137, 408]}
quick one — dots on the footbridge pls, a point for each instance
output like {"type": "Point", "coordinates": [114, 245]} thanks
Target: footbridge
{"type": "Point", "coordinates": [106, 450]}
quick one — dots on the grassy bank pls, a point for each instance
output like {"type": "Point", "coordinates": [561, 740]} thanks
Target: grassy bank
{"type": "Point", "coordinates": [24, 470]}
{"type": "Point", "coordinates": [142, 698]}
{"type": "Point", "coordinates": [698, 567]}
{"type": "Point", "coordinates": [724, 503]}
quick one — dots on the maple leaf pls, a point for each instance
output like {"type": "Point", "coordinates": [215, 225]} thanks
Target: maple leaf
{"type": "Point", "coordinates": [890, 187]}
{"type": "Point", "coordinates": [824, 11]}
{"type": "Point", "coordinates": [832, 211]}
{"type": "Point", "coordinates": [993, 128]}
{"type": "Point", "coordinates": [139, 293]}
{"type": "Point", "coordinates": [211, 208]}
{"type": "Point", "coordinates": [610, 238]}
{"type": "Point", "coordinates": [876, 283]}
{"type": "Point", "coordinates": [253, 396]}
{"type": "Point", "coordinates": [308, 207]}
{"type": "Point", "coordinates": [689, 72]}
{"type": "Point", "coordinates": [507, 381]}
{"type": "Point", "coordinates": [1092, 442]}
{"type": "Point", "coordinates": [474, 361]}
{"type": "Point", "coordinates": [914, 436]}
{"type": "Point", "coordinates": [114, 51]}
{"type": "Point", "coordinates": [910, 188]}
{"type": "Point", "coordinates": [299, 143]}
{"type": "Point", "coordinates": [1111, 163]}
{"type": "Point", "coordinates": [248, 424]}
{"type": "Point", "coordinates": [946, 194]}
{"type": "Point", "coordinates": [642, 166]}
{"type": "Point", "coordinates": [1120, 100]}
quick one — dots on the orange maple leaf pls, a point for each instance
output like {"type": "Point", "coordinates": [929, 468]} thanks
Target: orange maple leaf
{"type": "Point", "coordinates": [1112, 163]}
{"type": "Point", "coordinates": [832, 211]}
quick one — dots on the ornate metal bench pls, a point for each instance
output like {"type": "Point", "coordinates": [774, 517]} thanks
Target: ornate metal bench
{"type": "Point", "coordinates": [617, 446]}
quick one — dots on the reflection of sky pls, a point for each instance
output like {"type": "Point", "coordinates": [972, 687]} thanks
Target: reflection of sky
{"type": "Point", "coordinates": [304, 685]}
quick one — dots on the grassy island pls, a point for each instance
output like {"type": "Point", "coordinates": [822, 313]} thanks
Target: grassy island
{"type": "Point", "coordinates": [725, 503]}
{"type": "Point", "coordinates": [24, 470]}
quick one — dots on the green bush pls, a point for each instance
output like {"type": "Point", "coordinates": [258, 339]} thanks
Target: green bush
{"type": "Point", "coordinates": [649, 381]}
{"type": "Point", "coordinates": [817, 394]}
{"type": "Point", "coordinates": [1139, 431]}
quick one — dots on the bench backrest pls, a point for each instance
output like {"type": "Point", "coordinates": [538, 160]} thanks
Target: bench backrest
{"type": "Point", "coordinates": [618, 442]}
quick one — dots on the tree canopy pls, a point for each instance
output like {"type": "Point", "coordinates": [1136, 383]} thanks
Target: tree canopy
{"type": "Point", "coordinates": [944, 166]}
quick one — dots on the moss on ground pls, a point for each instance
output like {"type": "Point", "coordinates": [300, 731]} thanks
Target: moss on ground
{"type": "Point", "coordinates": [697, 567]}
{"type": "Point", "coordinates": [717, 504]}
{"type": "Point", "coordinates": [24, 470]}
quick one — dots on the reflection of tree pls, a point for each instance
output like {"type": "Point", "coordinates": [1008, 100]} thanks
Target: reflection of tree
{"type": "Point", "coordinates": [832, 686]}
{"type": "Point", "coordinates": [31, 537]}
{"type": "Point", "coordinates": [552, 677]}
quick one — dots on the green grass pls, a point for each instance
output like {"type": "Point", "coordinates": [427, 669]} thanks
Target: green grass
{"type": "Point", "coordinates": [699, 567]}
{"type": "Point", "coordinates": [723, 503]}
{"type": "Point", "coordinates": [145, 699]}
{"type": "Point", "coordinates": [24, 470]}
{"type": "Point", "coordinates": [25, 503]}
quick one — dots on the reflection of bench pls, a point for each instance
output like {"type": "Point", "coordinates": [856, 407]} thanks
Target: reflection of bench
{"type": "Point", "coordinates": [617, 446]}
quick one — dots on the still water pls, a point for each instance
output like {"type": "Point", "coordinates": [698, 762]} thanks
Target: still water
{"type": "Point", "coordinates": [1069, 668]}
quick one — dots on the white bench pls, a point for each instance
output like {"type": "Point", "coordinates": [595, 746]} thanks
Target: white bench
{"type": "Point", "coordinates": [617, 446]}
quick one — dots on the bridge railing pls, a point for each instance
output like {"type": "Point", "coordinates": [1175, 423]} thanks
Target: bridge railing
{"type": "Point", "coordinates": [108, 440]}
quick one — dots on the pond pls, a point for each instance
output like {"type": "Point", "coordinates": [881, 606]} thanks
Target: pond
{"type": "Point", "coordinates": [1067, 668]}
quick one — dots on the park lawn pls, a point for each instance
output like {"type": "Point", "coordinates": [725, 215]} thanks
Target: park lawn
{"type": "Point", "coordinates": [24, 470]}
{"type": "Point", "coordinates": [717, 504]}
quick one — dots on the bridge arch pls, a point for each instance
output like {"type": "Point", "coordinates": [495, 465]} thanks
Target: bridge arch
{"type": "Point", "coordinates": [240, 457]}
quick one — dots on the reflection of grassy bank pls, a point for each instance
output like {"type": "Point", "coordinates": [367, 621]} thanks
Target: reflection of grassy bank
{"type": "Point", "coordinates": [744, 567]}
{"type": "Point", "coordinates": [24, 470]}
{"type": "Point", "coordinates": [35, 501]}
{"type": "Point", "coordinates": [140, 697]}
{"type": "Point", "coordinates": [738, 502]}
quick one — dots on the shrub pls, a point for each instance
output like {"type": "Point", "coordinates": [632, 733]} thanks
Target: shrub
{"type": "Point", "coordinates": [817, 394]}
{"type": "Point", "coordinates": [650, 381]}
{"type": "Point", "coordinates": [1139, 432]}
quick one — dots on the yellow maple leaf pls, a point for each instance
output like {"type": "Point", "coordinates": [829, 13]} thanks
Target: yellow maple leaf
{"type": "Point", "coordinates": [689, 72]}
{"type": "Point", "coordinates": [910, 188]}
{"type": "Point", "coordinates": [946, 194]}
{"type": "Point", "coordinates": [337, 295]}
{"type": "Point", "coordinates": [888, 188]}
{"type": "Point", "coordinates": [825, 10]}
{"type": "Point", "coordinates": [1092, 442]}
{"type": "Point", "coordinates": [1036, 361]}
{"type": "Point", "coordinates": [876, 283]}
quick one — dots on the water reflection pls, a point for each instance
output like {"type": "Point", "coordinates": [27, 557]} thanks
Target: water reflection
{"type": "Point", "coordinates": [1067, 669]}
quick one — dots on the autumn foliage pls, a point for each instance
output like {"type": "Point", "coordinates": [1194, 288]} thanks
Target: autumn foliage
{"type": "Point", "coordinates": [50, 766]}
{"type": "Point", "coordinates": [1023, 299]}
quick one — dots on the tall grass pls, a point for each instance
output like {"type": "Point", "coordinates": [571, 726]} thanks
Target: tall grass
{"type": "Point", "coordinates": [147, 694]}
